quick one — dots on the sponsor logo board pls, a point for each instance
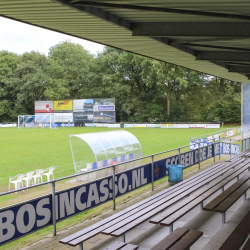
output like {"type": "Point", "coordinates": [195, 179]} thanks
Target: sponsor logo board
{"type": "Point", "coordinates": [212, 125]}
{"type": "Point", "coordinates": [181, 126]}
{"type": "Point", "coordinates": [43, 106]}
{"type": "Point", "coordinates": [63, 105]}
{"type": "Point", "coordinates": [90, 125]}
{"type": "Point", "coordinates": [63, 117]}
{"type": "Point", "coordinates": [8, 125]}
{"type": "Point", "coordinates": [82, 105]}
{"type": "Point", "coordinates": [82, 117]}
{"type": "Point", "coordinates": [196, 125]}
{"type": "Point", "coordinates": [113, 125]}
{"type": "Point", "coordinates": [128, 125]}
{"type": "Point", "coordinates": [140, 125]}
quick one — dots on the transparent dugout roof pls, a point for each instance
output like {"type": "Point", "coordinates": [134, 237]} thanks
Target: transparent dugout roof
{"type": "Point", "coordinates": [111, 146]}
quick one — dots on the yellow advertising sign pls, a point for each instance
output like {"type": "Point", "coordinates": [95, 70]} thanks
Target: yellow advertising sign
{"type": "Point", "coordinates": [235, 131]}
{"type": "Point", "coordinates": [222, 135]}
{"type": "Point", "coordinates": [63, 105]}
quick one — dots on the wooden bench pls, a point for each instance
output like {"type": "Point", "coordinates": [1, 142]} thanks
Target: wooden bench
{"type": "Point", "coordinates": [228, 202]}
{"type": "Point", "coordinates": [168, 217]}
{"type": "Point", "coordinates": [238, 236]}
{"type": "Point", "coordinates": [121, 245]}
{"type": "Point", "coordinates": [147, 208]}
{"type": "Point", "coordinates": [237, 156]}
{"type": "Point", "coordinates": [179, 239]}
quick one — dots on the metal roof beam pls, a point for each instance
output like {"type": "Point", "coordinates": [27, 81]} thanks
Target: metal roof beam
{"type": "Point", "coordinates": [223, 56]}
{"type": "Point", "coordinates": [100, 13]}
{"type": "Point", "coordinates": [159, 9]}
{"type": "Point", "coordinates": [191, 29]}
{"type": "Point", "coordinates": [239, 69]}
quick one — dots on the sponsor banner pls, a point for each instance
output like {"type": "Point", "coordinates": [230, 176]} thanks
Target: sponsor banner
{"type": "Point", "coordinates": [164, 125]}
{"type": "Point", "coordinates": [82, 105]}
{"type": "Point", "coordinates": [230, 133]}
{"type": "Point", "coordinates": [102, 125]}
{"type": "Point", "coordinates": [104, 104]}
{"type": "Point", "coordinates": [196, 125]}
{"type": "Point", "coordinates": [63, 105]}
{"type": "Point", "coordinates": [90, 125]}
{"type": "Point", "coordinates": [63, 117]}
{"type": "Point", "coordinates": [181, 126]}
{"type": "Point", "coordinates": [128, 125]}
{"type": "Point", "coordinates": [238, 130]}
{"type": "Point", "coordinates": [65, 124]}
{"type": "Point", "coordinates": [171, 125]}
{"type": "Point", "coordinates": [8, 125]}
{"type": "Point", "coordinates": [217, 136]}
{"type": "Point", "coordinates": [44, 117]}
{"type": "Point", "coordinates": [222, 135]}
{"type": "Point", "coordinates": [105, 116]}
{"type": "Point", "coordinates": [212, 125]}
{"type": "Point", "coordinates": [195, 144]}
{"type": "Point", "coordinates": [225, 148]}
{"type": "Point", "coordinates": [226, 134]}
{"type": "Point", "coordinates": [140, 125]}
{"type": "Point", "coordinates": [82, 117]}
{"type": "Point", "coordinates": [113, 125]}
{"type": "Point", "coordinates": [18, 220]}
{"type": "Point", "coordinates": [43, 106]}
{"type": "Point", "coordinates": [235, 131]}
{"type": "Point", "coordinates": [210, 138]}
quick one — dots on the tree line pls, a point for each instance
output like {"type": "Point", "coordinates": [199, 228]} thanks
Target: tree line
{"type": "Point", "coordinates": [146, 90]}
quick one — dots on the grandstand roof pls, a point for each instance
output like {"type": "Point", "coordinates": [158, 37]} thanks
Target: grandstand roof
{"type": "Point", "coordinates": [208, 36]}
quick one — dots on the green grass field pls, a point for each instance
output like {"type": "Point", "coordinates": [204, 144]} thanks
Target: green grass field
{"type": "Point", "coordinates": [24, 150]}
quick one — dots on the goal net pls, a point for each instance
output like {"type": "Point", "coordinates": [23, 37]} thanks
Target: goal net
{"type": "Point", "coordinates": [36, 121]}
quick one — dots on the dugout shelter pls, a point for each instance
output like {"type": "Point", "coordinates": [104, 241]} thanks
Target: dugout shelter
{"type": "Point", "coordinates": [105, 149]}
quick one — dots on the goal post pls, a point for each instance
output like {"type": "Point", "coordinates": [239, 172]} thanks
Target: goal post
{"type": "Point", "coordinates": [36, 121]}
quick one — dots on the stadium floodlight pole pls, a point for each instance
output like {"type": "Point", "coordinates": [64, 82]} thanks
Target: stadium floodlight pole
{"type": "Point", "coordinates": [199, 155]}
{"type": "Point", "coordinates": [54, 208]}
{"type": "Point", "coordinates": [113, 186]}
{"type": "Point", "coordinates": [152, 172]}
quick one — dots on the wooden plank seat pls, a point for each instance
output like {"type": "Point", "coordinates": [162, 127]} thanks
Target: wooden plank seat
{"type": "Point", "coordinates": [187, 241]}
{"type": "Point", "coordinates": [179, 239]}
{"type": "Point", "coordinates": [87, 233]}
{"type": "Point", "coordinates": [228, 202]}
{"type": "Point", "coordinates": [168, 217]}
{"type": "Point", "coordinates": [121, 245]}
{"type": "Point", "coordinates": [238, 236]}
{"type": "Point", "coordinates": [171, 239]}
{"type": "Point", "coordinates": [237, 156]}
{"type": "Point", "coordinates": [225, 194]}
{"type": "Point", "coordinates": [122, 227]}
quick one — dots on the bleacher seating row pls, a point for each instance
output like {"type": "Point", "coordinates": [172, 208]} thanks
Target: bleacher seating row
{"type": "Point", "coordinates": [31, 178]}
{"type": "Point", "coordinates": [169, 205]}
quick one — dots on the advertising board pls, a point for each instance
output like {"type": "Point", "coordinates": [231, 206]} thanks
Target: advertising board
{"type": "Point", "coordinates": [217, 136]}
{"type": "Point", "coordinates": [171, 125]}
{"type": "Point", "coordinates": [8, 125]}
{"type": "Point", "coordinates": [42, 117]}
{"type": "Point", "coordinates": [43, 106]}
{"type": "Point", "coordinates": [113, 125]}
{"type": "Point", "coordinates": [210, 138]}
{"type": "Point", "coordinates": [101, 125]}
{"type": "Point", "coordinates": [82, 117]}
{"type": "Point", "coordinates": [128, 125]}
{"type": "Point", "coordinates": [222, 135]}
{"type": "Point", "coordinates": [90, 125]}
{"type": "Point", "coordinates": [238, 130]}
{"type": "Point", "coordinates": [104, 104]}
{"type": "Point", "coordinates": [65, 124]}
{"type": "Point", "coordinates": [63, 117]}
{"type": "Point", "coordinates": [82, 105]}
{"type": "Point", "coordinates": [226, 134]}
{"type": "Point", "coordinates": [63, 105]}
{"type": "Point", "coordinates": [105, 116]}
{"type": "Point", "coordinates": [212, 125]}
{"type": "Point", "coordinates": [181, 125]}
{"type": "Point", "coordinates": [29, 216]}
{"type": "Point", "coordinates": [164, 125]}
{"type": "Point", "coordinates": [140, 125]}
{"type": "Point", "coordinates": [196, 125]}
{"type": "Point", "coordinates": [230, 133]}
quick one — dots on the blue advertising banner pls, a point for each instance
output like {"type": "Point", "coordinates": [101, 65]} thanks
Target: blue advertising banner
{"type": "Point", "coordinates": [194, 144]}
{"type": "Point", "coordinates": [26, 217]}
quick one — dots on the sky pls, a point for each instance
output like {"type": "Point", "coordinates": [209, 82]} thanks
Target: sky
{"type": "Point", "coordinates": [19, 37]}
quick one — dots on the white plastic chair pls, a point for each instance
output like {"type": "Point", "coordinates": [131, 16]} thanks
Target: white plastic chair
{"type": "Point", "coordinates": [16, 182]}
{"type": "Point", "coordinates": [99, 164]}
{"type": "Point", "coordinates": [38, 176]}
{"type": "Point", "coordinates": [89, 166]}
{"type": "Point", "coordinates": [50, 173]}
{"type": "Point", "coordinates": [28, 178]}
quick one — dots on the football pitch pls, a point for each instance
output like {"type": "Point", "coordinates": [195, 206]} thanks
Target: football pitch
{"type": "Point", "coordinates": [24, 150]}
